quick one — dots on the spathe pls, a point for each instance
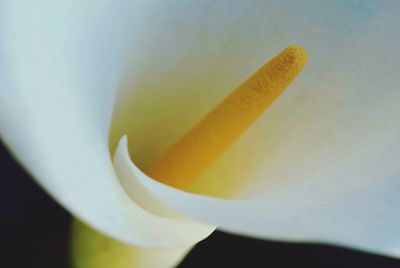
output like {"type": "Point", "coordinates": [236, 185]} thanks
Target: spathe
{"type": "Point", "coordinates": [59, 79]}
{"type": "Point", "coordinates": [325, 156]}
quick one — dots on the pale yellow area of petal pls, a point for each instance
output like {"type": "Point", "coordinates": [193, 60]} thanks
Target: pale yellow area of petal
{"type": "Point", "coordinates": [158, 112]}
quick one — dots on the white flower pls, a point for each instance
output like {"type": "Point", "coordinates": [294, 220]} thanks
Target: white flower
{"type": "Point", "coordinates": [321, 165]}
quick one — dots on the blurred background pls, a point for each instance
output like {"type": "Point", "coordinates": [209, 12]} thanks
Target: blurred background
{"type": "Point", "coordinates": [35, 232]}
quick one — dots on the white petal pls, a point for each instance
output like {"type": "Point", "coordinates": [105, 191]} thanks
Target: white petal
{"type": "Point", "coordinates": [327, 157]}
{"type": "Point", "coordinates": [324, 160]}
{"type": "Point", "coordinates": [60, 67]}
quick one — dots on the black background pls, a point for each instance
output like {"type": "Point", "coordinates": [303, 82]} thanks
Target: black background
{"type": "Point", "coordinates": [35, 230]}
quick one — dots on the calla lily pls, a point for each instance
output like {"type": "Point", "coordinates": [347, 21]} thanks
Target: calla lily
{"type": "Point", "coordinates": [80, 80]}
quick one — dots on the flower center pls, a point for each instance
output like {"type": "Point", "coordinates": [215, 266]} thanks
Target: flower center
{"type": "Point", "coordinates": [183, 162]}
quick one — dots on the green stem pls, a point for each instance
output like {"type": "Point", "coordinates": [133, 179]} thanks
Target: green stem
{"type": "Point", "coordinates": [91, 249]}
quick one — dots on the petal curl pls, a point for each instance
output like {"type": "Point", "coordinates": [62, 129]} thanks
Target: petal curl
{"type": "Point", "coordinates": [326, 154]}
{"type": "Point", "coordinates": [61, 63]}
{"type": "Point", "coordinates": [322, 164]}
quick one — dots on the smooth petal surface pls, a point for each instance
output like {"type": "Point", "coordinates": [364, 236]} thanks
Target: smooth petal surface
{"type": "Point", "coordinates": [322, 164]}
{"type": "Point", "coordinates": [61, 62]}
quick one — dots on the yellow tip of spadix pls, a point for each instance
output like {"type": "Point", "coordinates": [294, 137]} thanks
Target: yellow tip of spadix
{"type": "Point", "coordinates": [191, 155]}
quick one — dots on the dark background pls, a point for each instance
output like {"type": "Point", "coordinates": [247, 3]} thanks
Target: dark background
{"type": "Point", "coordinates": [34, 234]}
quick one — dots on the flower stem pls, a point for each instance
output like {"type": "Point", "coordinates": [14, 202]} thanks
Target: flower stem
{"type": "Point", "coordinates": [91, 249]}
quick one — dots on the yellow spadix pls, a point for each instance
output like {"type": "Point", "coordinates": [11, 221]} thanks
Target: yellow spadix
{"type": "Point", "coordinates": [191, 155]}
